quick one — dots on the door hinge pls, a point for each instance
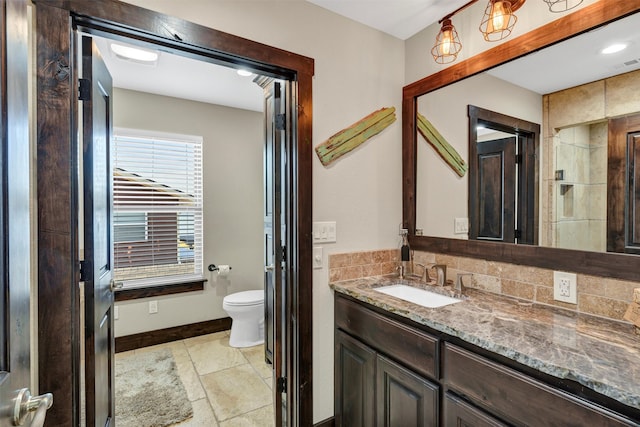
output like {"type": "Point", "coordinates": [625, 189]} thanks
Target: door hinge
{"type": "Point", "coordinates": [281, 121]}
{"type": "Point", "coordinates": [281, 385]}
{"type": "Point", "coordinates": [517, 234]}
{"type": "Point", "coordinates": [84, 90]}
{"type": "Point", "coordinates": [83, 271]}
{"type": "Point", "coordinates": [518, 159]}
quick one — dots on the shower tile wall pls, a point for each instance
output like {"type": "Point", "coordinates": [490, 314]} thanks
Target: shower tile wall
{"type": "Point", "coordinates": [580, 196]}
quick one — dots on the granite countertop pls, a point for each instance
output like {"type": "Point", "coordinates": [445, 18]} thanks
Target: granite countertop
{"type": "Point", "coordinates": [600, 354]}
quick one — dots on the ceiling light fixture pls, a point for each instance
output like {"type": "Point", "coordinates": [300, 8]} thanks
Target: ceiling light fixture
{"type": "Point", "coordinates": [447, 44]}
{"type": "Point", "coordinates": [558, 6]}
{"type": "Point", "coordinates": [498, 20]}
{"type": "Point", "coordinates": [244, 73]}
{"type": "Point", "coordinates": [614, 48]}
{"type": "Point", "coordinates": [134, 53]}
{"type": "Point", "coordinates": [497, 23]}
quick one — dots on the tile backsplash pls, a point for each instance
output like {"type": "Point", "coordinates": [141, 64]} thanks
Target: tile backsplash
{"type": "Point", "coordinates": [598, 296]}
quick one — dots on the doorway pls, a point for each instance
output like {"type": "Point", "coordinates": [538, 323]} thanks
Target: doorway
{"type": "Point", "coordinates": [57, 87]}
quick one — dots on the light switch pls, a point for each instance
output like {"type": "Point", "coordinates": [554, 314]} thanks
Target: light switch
{"type": "Point", "coordinates": [324, 232]}
{"type": "Point", "coordinates": [317, 257]}
{"type": "Point", "coordinates": [461, 225]}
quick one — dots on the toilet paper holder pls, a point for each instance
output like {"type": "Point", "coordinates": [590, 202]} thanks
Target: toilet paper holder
{"type": "Point", "coordinates": [213, 267]}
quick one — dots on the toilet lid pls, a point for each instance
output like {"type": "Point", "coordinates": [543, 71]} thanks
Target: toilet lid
{"type": "Point", "coordinates": [245, 298]}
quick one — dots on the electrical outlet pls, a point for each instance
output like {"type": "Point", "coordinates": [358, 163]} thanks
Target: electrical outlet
{"type": "Point", "coordinates": [565, 287]}
{"type": "Point", "coordinates": [116, 312]}
{"type": "Point", "coordinates": [153, 307]}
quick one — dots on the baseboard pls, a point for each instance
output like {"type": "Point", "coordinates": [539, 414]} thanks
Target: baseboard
{"type": "Point", "coordinates": [329, 422]}
{"type": "Point", "coordinates": [161, 336]}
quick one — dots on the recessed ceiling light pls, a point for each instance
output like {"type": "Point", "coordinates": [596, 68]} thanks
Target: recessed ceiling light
{"type": "Point", "coordinates": [244, 73]}
{"type": "Point", "coordinates": [134, 53]}
{"type": "Point", "coordinates": [617, 47]}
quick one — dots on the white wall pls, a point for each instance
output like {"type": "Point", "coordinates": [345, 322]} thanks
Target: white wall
{"type": "Point", "coordinates": [232, 190]}
{"type": "Point", "coordinates": [357, 70]}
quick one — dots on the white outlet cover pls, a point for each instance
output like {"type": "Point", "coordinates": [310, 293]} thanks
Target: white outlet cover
{"type": "Point", "coordinates": [562, 276]}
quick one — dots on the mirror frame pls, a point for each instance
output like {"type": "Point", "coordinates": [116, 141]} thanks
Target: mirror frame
{"type": "Point", "coordinates": [615, 265]}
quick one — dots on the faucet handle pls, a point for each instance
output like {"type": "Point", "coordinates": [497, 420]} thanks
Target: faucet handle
{"type": "Point", "coordinates": [459, 287]}
{"type": "Point", "coordinates": [425, 272]}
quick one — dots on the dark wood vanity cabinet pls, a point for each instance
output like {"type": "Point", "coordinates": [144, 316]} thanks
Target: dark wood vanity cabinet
{"type": "Point", "coordinates": [390, 374]}
{"type": "Point", "coordinates": [378, 387]}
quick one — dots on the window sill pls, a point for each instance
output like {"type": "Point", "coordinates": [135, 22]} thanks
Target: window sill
{"type": "Point", "coordinates": [159, 290]}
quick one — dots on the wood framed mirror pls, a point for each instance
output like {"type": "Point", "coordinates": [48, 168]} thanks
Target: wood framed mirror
{"type": "Point", "coordinates": [617, 265]}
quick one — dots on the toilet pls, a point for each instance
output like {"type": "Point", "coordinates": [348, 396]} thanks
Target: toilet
{"type": "Point", "coordinates": [246, 310]}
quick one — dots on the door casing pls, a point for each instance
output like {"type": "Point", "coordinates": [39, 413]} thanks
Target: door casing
{"type": "Point", "coordinates": [56, 21]}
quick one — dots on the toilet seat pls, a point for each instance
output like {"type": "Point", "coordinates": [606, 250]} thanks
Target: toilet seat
{"type": "Point", "coordinates": [244, 298]}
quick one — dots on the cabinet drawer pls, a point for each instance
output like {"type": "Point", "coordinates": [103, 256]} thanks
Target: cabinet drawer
{"type": "Point", "coordinates": [459, 413]}
{"type": "Point", "coordinates": [411, 347]}
{"type": "Point", "coordinates": [516, 397]}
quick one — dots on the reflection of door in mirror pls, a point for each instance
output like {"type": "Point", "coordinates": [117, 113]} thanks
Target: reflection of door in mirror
{"type": "Point", "coordinates": [502, 177]}
{"type": "Point", "coordinates": [623, 198]}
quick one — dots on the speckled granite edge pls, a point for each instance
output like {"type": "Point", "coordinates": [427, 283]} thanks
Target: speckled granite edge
{"type": "Point", "coordinates": [600, 354]}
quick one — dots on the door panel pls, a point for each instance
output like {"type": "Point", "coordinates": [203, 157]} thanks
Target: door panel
{"type": "Point", "coordinates": [275, 233]}
{"type": "Point", "coordinates": [493, 217]}
{"type": "Point", "coordinates": [99, 337]}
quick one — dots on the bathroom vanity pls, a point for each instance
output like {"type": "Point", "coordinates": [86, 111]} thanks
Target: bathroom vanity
{"type": "Point", "coordinates": [486, 361]}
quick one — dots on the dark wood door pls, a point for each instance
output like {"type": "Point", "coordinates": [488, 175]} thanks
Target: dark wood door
{"type": "Point", "coordinates": [404, 399]}
{"type": "Point", "coordinates": [274, 235]}
{"type": "Point", "coordinates": [623, 185]}
{"type": "Point", "coordinates": [98, 248]}
{"type": "Point", "coordinates": [458, 413]}
{"type": "Point", "coordinates": [355, 365]}
{"type": "Point", "coordinates": [492, 216]}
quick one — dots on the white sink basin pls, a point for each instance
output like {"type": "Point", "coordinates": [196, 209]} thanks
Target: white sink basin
{"type": "Point", "coordinates": [417, 296]}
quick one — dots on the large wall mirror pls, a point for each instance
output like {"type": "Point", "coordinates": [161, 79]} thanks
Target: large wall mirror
{"type": "Point", "coordinates": [584, 215]}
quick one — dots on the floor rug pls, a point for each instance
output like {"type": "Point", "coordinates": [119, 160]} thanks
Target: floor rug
{"type": "Point", "coordinates": [149, 392]}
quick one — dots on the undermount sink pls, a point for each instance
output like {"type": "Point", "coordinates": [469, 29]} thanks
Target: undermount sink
{"type": "Point", "coordinates": [417, 296]}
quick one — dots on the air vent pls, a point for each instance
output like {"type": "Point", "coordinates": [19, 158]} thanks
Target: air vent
{"type": "Point", "coordinates": [632, 62]}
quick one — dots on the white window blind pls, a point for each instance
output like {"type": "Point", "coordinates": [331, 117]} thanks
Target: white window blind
{"type": "Point", "coordinates": [157, 207]}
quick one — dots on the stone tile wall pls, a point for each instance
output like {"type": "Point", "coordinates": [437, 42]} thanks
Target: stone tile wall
{"type": "Point", "coordinates": [598, 296]}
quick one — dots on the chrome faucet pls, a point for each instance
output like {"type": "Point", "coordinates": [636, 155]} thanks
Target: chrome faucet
{"type": "Point", "coordinates": [459, 287]}
{"type": "Point", "coordinates": [425, 272]}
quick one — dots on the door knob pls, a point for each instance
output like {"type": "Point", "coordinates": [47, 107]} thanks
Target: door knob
{"type": "Point", "coordinates": [113, 285]}
{"type": "Point", "coordinates": [25, 403]}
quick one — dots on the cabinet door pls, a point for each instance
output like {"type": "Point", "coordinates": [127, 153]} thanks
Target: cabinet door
{"type": "Point", "coordinates": [355, 365]}
{"type": "Point", "coordinates": [458, 413]}
{"type": "Point", "coordinates": [403, 398]}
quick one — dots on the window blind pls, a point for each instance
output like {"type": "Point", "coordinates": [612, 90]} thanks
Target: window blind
{"type": "Point", "coordinates": [157, 208]}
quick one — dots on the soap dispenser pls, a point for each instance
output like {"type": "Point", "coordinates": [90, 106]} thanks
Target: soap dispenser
{"type": "Point", "coordinates": [405, 256]}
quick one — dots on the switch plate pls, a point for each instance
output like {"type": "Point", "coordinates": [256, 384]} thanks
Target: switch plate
{"type": "Point", "coordinates": [317, 257]}
{"type": "Point", "coordinates": [565, 287]}
{"type": "Point", "coordinates": [324, 232]}
{"type": "Point", "coordinates": [460, 225]}
{"type": "Point", "coordinates": [153, 307]}
{"type": "Point", "coordinates": [116, 312]}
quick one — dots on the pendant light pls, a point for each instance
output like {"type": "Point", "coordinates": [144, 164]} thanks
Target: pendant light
{"type": "Point", "coordinates": [447, 44]}
{"type": "Point", "coordinates": [498, 20]}
{"type": "Point", "coordinates": [558, 6]}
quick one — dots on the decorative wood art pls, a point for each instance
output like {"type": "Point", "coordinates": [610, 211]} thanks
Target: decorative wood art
{"type": "Point", "coordinates": [442, 147]}
{"type": "Point", "coordinates": [347, 139]}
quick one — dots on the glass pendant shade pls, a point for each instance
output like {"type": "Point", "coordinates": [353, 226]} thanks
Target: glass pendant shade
{"type": "Point", "coordinates": [558, 6]}
{"type": "Point", "coordinates": [498, 20]}
{"type": "Point", "coordinates": [447, 44]}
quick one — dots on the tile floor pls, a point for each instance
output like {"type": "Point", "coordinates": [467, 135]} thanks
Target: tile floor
{"type": "Point", "coordinates": [228, 387]}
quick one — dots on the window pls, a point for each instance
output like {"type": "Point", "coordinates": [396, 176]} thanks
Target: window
{"type": "Point", "coordinates": [157, 208]}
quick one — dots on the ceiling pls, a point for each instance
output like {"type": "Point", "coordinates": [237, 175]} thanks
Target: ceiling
{"type": "Point", "coordinates": [400, 18]}
{"type": "Point", "coordinates": [573, 62]}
